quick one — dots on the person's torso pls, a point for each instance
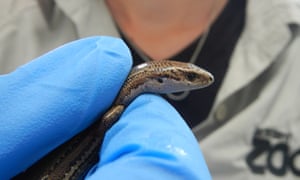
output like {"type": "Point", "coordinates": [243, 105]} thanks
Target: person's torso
{"type": "Point", "coordinates": [251, 132]}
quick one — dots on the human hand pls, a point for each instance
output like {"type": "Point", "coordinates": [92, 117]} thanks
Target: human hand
{"type": "Point", "coordinates": [51, 99]}
{"type": "Point", "coordinates": [47, 101]}
{"type": "Point", "coordinates": [150, 141]}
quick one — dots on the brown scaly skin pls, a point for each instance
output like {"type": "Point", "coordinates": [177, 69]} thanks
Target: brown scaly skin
{"type": "Point", "coordinates": [73, 159]}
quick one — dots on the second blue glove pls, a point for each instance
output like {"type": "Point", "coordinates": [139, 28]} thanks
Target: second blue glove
{"type": "Point", "coordinates": [47, 101]}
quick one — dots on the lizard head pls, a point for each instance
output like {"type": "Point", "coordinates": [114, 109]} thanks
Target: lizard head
{"type": "Point", "coordinates": [173, 76]}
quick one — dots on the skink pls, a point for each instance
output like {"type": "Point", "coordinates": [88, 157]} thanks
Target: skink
{"type": "Point", "coordinates": [74, 159]}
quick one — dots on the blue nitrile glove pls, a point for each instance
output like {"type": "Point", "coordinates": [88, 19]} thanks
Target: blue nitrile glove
{"type": "Point", "coordinates": [150, 141]}
{"type": "Point", "coordinates": [47, 101]}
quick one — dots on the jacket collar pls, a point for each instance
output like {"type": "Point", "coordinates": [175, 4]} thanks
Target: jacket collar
{"type": "Point", "coordinates": [263, 39]}
{"type": "Point", "coordinates": [266, 34]}
{"type": "Point", "coordinates": [89, 17]}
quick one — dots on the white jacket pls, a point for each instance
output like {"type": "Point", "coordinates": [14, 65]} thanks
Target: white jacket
{"type": "Point", "coordinates": [252, 131]}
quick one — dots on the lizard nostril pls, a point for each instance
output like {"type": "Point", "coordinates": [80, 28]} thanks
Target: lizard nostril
{"type": "Point", "coordinates": [211, 78]}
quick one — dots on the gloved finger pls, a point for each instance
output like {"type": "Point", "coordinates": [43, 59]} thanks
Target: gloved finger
{"type": "Point", "coordinates": [150, 141]}
{"type": "Point", "coordinates": [50, 99]}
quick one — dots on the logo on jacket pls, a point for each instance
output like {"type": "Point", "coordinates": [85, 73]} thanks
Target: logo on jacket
{"type": "Point", "coordinates": [271, 152]}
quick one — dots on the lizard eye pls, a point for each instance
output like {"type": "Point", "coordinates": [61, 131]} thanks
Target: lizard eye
{"type": "Point", "coordinates": [160, 80]}
{"type": "Point", "coordinates": [191, 76]}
